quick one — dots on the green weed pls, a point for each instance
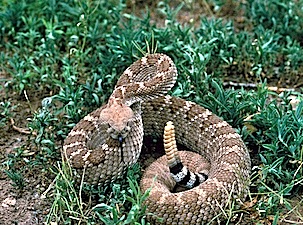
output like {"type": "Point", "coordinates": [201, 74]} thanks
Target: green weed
{"type": "Point", "coordinates": [6, 112]}
{"type": "Point", "coordinates": [128, 210]}
{"type": "Point", "coordinates": [12, 170]}
{"type": "Point", "coordinates": [282, 16]}
{"type": "Point", "coordinates": [125, 205]}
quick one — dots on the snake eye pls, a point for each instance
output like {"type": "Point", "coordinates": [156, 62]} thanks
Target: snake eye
{"type": "Point", "coordinates": [129, 125]}
{"type": "Point", "coordinates": [110, 130]}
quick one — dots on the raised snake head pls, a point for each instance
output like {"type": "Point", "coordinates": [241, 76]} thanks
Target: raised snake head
{"type": "Point", "coordinates": [120, 119]}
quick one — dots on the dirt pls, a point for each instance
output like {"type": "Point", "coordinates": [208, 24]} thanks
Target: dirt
{"type": "Point", "coordinates": [16, 206]}
{"type": "Point", "coordinates": [19, 208]}
{"type": "Point", "coordinates": [22, 206]}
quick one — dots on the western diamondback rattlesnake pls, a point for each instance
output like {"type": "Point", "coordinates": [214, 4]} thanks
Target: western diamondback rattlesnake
{"type": "Point", "coordinates": [108, 140]}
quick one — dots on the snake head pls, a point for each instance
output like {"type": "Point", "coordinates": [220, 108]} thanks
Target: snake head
{"type": "Point", "coordinates": [119, 118]}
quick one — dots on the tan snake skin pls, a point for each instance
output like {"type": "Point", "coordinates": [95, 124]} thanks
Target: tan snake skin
{"type": "Point", "coordinates": [108, 140]}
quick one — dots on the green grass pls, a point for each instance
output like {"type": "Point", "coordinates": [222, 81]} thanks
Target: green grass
{"type": "Point", "coordinates": [74, 52]}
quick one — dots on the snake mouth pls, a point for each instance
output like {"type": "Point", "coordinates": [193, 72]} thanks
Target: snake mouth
{"type": "Point", "coordinates": [119, 134]}
{"type": "Point", "coordinates": [120, 139]}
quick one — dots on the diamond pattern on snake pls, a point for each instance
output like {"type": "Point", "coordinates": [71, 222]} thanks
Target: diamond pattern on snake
{"type": "Point", "coordinates": [108, 140]}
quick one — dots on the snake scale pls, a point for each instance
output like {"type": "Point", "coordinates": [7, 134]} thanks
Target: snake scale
{"type": "Point", "coordinates": [108, 140]}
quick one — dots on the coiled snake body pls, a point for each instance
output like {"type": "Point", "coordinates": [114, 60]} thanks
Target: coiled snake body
{"type": "Point", "coordinates": [108, 140]}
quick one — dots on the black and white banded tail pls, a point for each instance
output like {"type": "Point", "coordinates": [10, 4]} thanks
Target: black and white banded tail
{"type": "Point", "coordinates": [180, 173]}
